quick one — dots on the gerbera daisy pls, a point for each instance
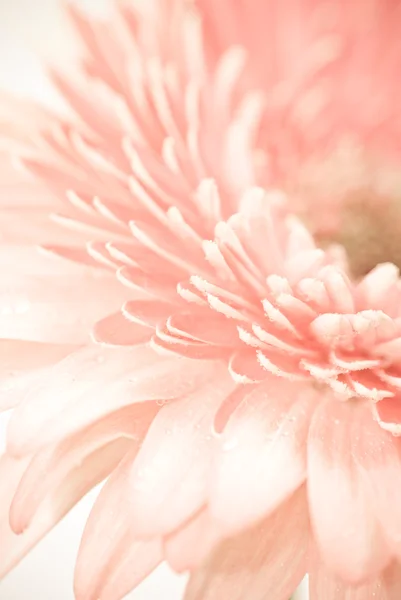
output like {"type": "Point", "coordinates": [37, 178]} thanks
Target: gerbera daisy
{"type": "Point", "coordinates": [245, 392]}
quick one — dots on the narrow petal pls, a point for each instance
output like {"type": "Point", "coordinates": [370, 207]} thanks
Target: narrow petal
{"type": "Point", "coordinates": [267, 561]}
{"type": "Point", "coordinates": [13, 547]}
{"type": "Point", "coordinates": [351, 543]}
{"type": "Point", "coordinates": [387, 413]}
{"type": "Point", "coordinates": [95, 382]}
{"type": "Point", "coordinates": [169, 477]}
{"type": "Point", "coordinates": [262, 459]}
{"type": "Point", "coordinates": [54, 506]}
{"type": "Point", "coordinates": [117, 330]}
{"type": "Point", "coordinates": [111, 561]}
{"type": "Point", "coordinates": [52, 468]}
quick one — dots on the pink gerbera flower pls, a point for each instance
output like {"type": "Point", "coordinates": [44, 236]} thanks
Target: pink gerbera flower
{"type": "Point", "coordinates": [244, 401]}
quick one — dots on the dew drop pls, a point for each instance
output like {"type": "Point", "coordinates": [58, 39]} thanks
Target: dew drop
{"type": "Point", "coordinates": [161, 402]}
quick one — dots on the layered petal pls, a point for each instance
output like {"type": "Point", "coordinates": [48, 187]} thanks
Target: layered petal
{"type": "Point", "coordinates": [345, 525]}
{"type": "Point", "coordinates": [187, 548]}
{"type": "Point", "coordinates": [111, 561]}
{"type": "Point", "coordinates": [54, 506]}
{"type": "Point", "coordinates": [53, 467]}
{"type": "Point", "coordinates": [169, 481]}
{"type": "Point", "coordinates": [56, 308]}
{"type": "Point", "coordinates": [267, 561]}
{"type": "Point", "coordinates": [262, 454]}
{"type": "Point", "coordinates": [95, 382]}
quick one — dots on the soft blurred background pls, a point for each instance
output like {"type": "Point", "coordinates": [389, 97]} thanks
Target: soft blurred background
{"type": "Point", "coordinates": [31, 32]}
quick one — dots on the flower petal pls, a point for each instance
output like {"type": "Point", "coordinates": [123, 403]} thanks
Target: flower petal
{"type": "Point", "coordinates": [378, 456]}
{"type": "Point", "coordinates": [55, 505]}
{"type": "Point", "coordinates": [352, 543]}
{"type": "Point", "coordinates": [117, 330]}
{"type": "Point", "coordinates": [111, 561]}
{"type": "Point", "coordinates": [324, 586]}
{"type": "Point", "coordinates": [56, 308]}
{"type": "Point", "coordinates": [21, 363]}
{"type": "Point", "coordinates": [263, 453]}
{"type": "Point", "coordinates": [387, 413]}
{"type": "Point", "coordinates": [52, 467]}
{"type": "Point", "coordinates": [188, 547]}
{"type": "Point", "coordinates": [94, 382]}
{"type": "Point", "coordinates": [169, 477]}
{"type": "Point", "coordinates": [267, 561]}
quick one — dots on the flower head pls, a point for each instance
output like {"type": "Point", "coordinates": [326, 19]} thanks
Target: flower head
{"type": "Point", "coordinates": [186, 338]}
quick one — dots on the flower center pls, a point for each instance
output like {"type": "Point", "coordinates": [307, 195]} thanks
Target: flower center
{"type": "Point", "coordinates": [348, 199]}
{"type": "Point", "coordinates": [370, 233]}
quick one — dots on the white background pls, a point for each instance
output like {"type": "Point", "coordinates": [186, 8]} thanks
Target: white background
{"type": "Point", "coordinates": [30, 29]}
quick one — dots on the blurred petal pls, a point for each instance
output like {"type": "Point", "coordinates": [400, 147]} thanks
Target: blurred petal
{"type": "Point", "coordinates": [21, 363]}
{"type": "Point", "coordinates": [324, 586]}
{"type": "Point", "coordinates": [170, 475]}
{"type": "Point", "coordinates": [56, 308]}
{"type": "Point", "coordinates": [188, 547]}
{"type": "Point", "coordinates": [111, 561]}
{"type": "Point", "coordinates": [352, 543]}
{"type": "Point", "coordinates": [267, 561]}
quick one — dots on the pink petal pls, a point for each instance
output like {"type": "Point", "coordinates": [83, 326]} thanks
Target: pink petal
{"type": "Point", "coordinates": [169, 477]}
{"type": "Point", "coordinates": [204, 326]}
{"type": "Point", "coordinates": [54, 506]}
{"type": "Point", "coordinates": [21, 363]}
{"type": "Point", "coordinates": [378, 455]}
{"type": "Point", "coordinates": [324, 586]}
{"type": "Point", "coordinates": [111, 561]}
{"type": "Point", "coordinates": [352, 543]}
{"type": "Point", "coordinates": [387, 413]}
{"type": "Point", "coordinates": [262, 454]}
{"type": "Point", "coordinates": [13, 547]}
{"type": "Point", "coordinates": [147, 312]}
{"type": "Point", "coordinates": [94, 382]}
{"type": "Point", "coordinates": [188, 547]}
{"type": "Point", "coordinates": [52, 468]}
{"type": "Point", "coordinates": [117, 330]}
{"type": "Point", "coordinates": [57, 308]}
{"type": "Point", "coordinates": [265, 562]}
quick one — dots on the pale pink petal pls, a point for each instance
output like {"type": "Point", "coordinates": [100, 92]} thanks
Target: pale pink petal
{"type": "Point", "coordinates": [21, 363]}
{"type": "Point", "coordinates": [111, 561]}
{"type": "Point", "coordinates": [170, 475]}
{"type": "Point", "coordinates": [94, 382]}
{"type": "Point", "coordinates": [188, 547]}
{"type": "Point", "coordinates": [117, 330]}
{"type": "Point", "coordinates": [55, 505]}
{"type": "Point", "coordinates": [262, 455]}
{"type": "Point", "coordinates": [378, 455]}
{"type": "Point", "coordinates": [267, 561]}
{"type": "Point", "coordinates": [53, 466]}
{"type": "Point", "coordinates": [56, 309]}
{"type": "Point", "coordinates": [345, 526]}
{"type": "Point", "coordinates": [12, 547]}
{"type": "Point", "coordinates": [323, 585]}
